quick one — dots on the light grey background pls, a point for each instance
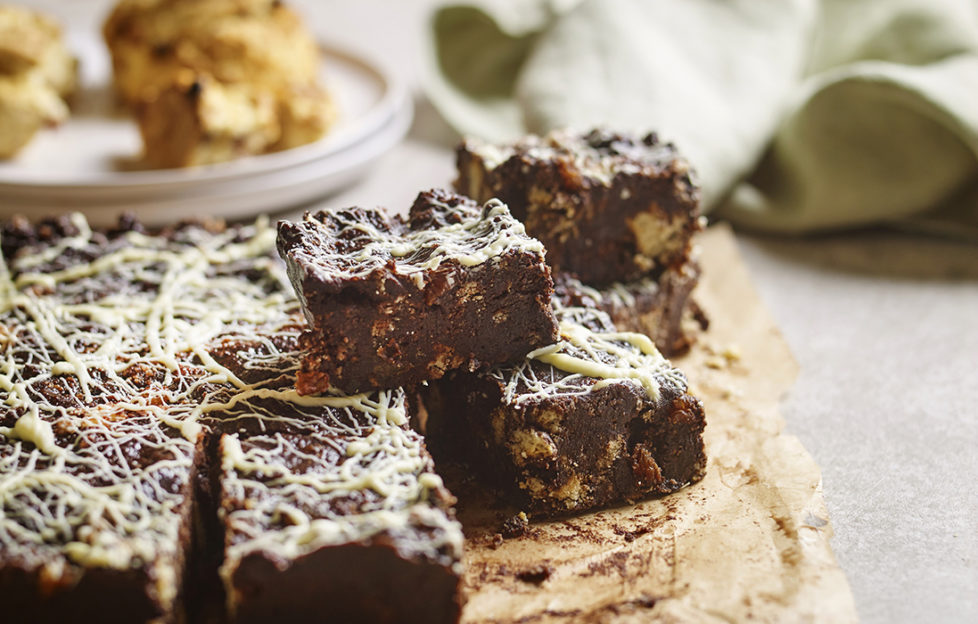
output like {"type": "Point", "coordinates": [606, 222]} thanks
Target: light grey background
{"type": "Point", "coordinates": [884, 326]}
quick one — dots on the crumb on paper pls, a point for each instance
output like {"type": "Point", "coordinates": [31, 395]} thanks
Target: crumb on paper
{"type": "Point", "coordinates": [715, 362]}
{"type": "Point", "coordinates": [535, 575]}
{"type": "Point", "coordinates": [515, 526]}
{"type": "Point", "coordinates": [731, 353]}
{"type": "Point", "coordinates": [721, 356]}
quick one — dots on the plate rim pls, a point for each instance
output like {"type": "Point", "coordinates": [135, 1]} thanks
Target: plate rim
{"type": "Point", "coordinates": [334, 166]}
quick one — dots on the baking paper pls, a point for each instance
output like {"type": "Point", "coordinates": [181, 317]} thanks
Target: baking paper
{"type": "Point", "coordinates": [748, 542]}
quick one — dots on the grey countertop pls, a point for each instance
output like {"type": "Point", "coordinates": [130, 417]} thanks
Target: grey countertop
{"type": "Point", "coordinates": [884, 326]}
{"type": "Point", "coordinates": [885, 329]}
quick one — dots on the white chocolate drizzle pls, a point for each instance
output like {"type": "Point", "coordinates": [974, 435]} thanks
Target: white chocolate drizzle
{"type": "Point", "coordinates": [589, 356]}
{"type": "Point", "coordinates": [374, 461]}
{"type": "Point", "coordinates": [617, 295]}
{"type": "Point", "coordinates": [116, 354]}
{"type": "Point", "coordinates": [354, 243]}
{"type": "Point", "coordinates": [598, 164]}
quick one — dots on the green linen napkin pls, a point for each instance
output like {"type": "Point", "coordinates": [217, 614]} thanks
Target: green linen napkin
{"type": "Point", "coordinates": [798, 115]}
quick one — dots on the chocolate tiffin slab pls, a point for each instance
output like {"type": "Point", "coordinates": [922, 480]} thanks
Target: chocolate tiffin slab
{"type": "Point", "coordinates": [152, 443]}
{"type": "Point", "coordinates": [394, 302]}
{"type": "Point", "coordinates": [596, 419]}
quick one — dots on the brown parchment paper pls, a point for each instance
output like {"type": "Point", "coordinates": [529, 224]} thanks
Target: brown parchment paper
{"type": "Point", "coordinates": [749, 542]}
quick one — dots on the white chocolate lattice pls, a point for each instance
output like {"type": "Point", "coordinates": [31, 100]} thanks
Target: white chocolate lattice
{"type": "Point", "coordinates": [112, 363]}
{"type": "Point", "coordinates": [292, 511]}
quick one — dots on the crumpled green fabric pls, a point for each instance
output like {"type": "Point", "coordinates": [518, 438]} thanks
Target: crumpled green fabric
{"type": "Point", "coordinates": [798, 115]}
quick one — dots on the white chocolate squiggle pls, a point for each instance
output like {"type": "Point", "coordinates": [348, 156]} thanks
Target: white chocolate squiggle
{"type": "Point", "coordinates": [478, 236]}
{"type": "Point", "coordinates": [590, 355]}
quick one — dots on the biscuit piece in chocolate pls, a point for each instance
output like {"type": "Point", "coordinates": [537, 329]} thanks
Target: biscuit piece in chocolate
{"type": "Point", "coordinates": [394, 302]}
{"type": "Point", "coordinates": [335, 508]}
{"type": "Point", "coordinates": [596, 419]}
{"type": "Point", "coordinates": [608, 207]}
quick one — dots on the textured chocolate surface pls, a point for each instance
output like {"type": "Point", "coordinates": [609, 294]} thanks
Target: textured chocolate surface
{"type": "Point", "coordinates": [96, 462]}
{"type": "Point", "coordinates": [598, 419]}
{"type": "Point", "coordinates": [661, 308]}
{"type": "Point", "coordinates": [133, 362]}
{"type": "Point", "coordinates": [287, 495]}
{"type": "Point", "coordinates": [395, 302]}
{"type": "Point", "coordinates": [608, 207]}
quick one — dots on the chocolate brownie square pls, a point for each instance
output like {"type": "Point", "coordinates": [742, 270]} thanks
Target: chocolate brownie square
{"type": "Point", "coordinates": [73, 532]}
{"type": "Point", "coordinates": [394, 302]}
{"type": "Point", "coordinates": [608, 207]}
{"type": "Point", "coordinates": [596, 419]}
{"type": "Point", "coordinates": [335, 508]}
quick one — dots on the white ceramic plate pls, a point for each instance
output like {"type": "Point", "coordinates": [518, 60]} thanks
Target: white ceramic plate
{"type": "Point", "coordinates": [235, 198]}
{"type": "Point", "coordinates": [88, 163]}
